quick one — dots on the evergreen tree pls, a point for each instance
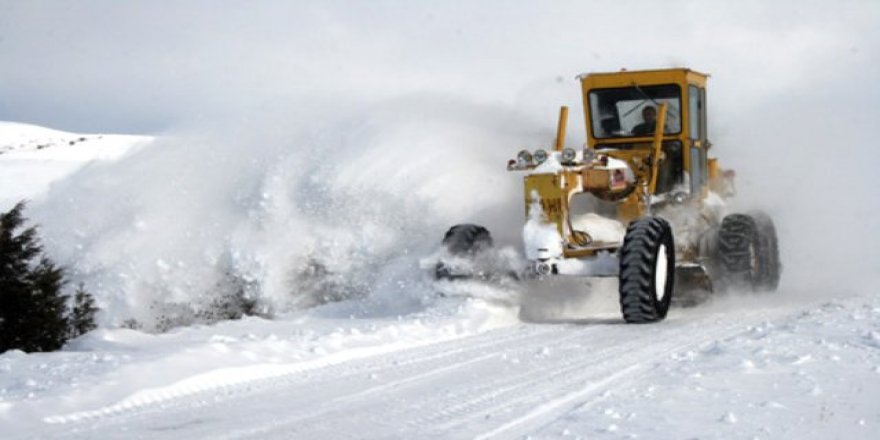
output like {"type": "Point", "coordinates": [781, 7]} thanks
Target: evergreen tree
{"type": "Point", "coordinates": [82, 316]}
{"type": "Point", "coordinates": [34, 315]}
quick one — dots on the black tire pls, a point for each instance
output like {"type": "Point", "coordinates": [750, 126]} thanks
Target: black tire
{"type": "Point", "coordinates": [768, 253]}
{"type": "Point", "coordinates": [646, 287]}
{"type": "Point", "coordinates": [748, 252]}
{"type": "Point", "coordinates": [463, 240]}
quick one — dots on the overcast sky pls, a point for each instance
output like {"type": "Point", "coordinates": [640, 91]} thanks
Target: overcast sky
{"type": "Point", "coordinates": [145, 66]}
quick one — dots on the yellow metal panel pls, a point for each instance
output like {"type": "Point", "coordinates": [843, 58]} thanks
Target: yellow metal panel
{"type": "Point", "coordinates": [696, 78]}
{"type": "Point", "coordinates": [713, 168]}
{"type": "Point", "coordinates": [552, 197]}
{"type": "Point", "coordinates": [596, 179]}
{"type": "Point", "coordinates": [589, 250]}
{"type": "Point", "coordinates": [630, 208]}
{"type": "Point", "coordinates": [625, 78]}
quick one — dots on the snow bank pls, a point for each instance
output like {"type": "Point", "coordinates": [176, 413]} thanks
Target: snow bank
{"type": "Point", "coordinates": [109, 372]}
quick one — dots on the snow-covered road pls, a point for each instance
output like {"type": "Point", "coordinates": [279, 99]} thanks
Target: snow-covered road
{"type": "Point", "coordinates": [747, 367]}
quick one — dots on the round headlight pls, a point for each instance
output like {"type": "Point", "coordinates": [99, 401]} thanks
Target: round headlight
{"type": "Point", "coordinates": [679, 197]}
{"type": "Point", "coordinates": [568, 155]}
{"type": "Point", "coordinates": [589, 154]}
{"type": "Point", "coordinates": [524, 158]}
{"type": "Point", "coordinates": [540, 156]}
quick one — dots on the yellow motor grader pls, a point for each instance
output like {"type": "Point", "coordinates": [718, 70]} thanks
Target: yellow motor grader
{"type": "Point", "coordinates": [641, 200]}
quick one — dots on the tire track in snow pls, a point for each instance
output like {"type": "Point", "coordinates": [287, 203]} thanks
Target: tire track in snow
{"type": "Point", "coordinates": [544, 385]}
{"type": "Point", "coordinates": [550, 391]}
{"type": "Point", "coordinates": [494, 384]}
{"type": "Point", "coordinates": [477, 399]}
{"type": "Point", "coordinates": [341, 365]}
{"type": "Point", "coordinates": [561, 403]}
{"type": "Point", "coordinates": [447, 413]}
{"type": "Point", "coordinates": [621, 364]}
{"type": "Point", "coordinates": [419, 356]}
{"type": "Point", "coordinates": [330, 408]}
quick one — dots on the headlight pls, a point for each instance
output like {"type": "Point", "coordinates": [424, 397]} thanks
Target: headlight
{"type": "Point", "coordinates": [679, 197]}
{"type": "Point", "coordinates": [589, 154]}
{"type": "Point", "coordinates": [524, 158]}
{"type": "Point", "coordinates": [568, 155]}
{"type": "Point", "coordinates": [540, 156]}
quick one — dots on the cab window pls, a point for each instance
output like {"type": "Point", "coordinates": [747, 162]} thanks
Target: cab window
{"type": "Point", "coordinates": [627, 111]}
{"type": "Point", "coordinates": [695, 112]}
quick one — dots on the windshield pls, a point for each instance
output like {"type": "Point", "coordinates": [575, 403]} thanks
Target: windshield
{"type": "Point", "coordinates": [632, 111]}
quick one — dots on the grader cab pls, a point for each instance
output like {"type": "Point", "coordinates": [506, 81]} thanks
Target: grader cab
{"type": "Point", "coordinates": [641, 200]}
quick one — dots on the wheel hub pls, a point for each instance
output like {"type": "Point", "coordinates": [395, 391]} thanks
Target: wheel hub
{"type": "Point", "coordinates": [660, 269]}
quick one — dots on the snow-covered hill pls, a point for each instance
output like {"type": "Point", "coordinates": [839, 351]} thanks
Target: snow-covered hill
{"type": "Point", "coordinates": [32, 157]}
{"type": "Point", "coordinates": [19, 136]}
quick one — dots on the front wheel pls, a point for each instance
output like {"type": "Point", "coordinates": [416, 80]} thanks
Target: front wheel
{"type": "Point", "coordinates": [647, 270]}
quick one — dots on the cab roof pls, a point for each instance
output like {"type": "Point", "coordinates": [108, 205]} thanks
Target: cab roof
{"type": "Point", "coordinates": [625, 78]}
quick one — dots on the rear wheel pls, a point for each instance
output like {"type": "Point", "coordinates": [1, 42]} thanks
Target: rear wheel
{"type": "Point", "coordinates": [768, 253]}
{"type": "Point", "coordinates": [748, 252]}
{"type": "Point", "coordinates": [647, 270]}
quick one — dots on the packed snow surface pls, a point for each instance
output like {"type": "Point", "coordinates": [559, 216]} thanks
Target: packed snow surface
{"type": "Point", "coordinates": [742, 367]}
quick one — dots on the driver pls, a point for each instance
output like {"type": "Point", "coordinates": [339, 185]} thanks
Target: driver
{"type": "Point", "coordinates": [649, 116]}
